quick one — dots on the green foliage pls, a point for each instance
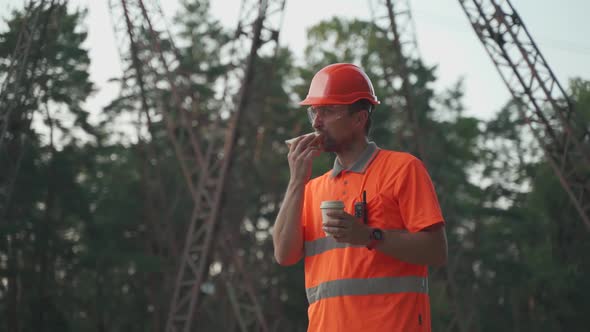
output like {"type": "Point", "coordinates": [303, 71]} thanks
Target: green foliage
{"type": "Point", "coordinates": [487, 175]}
{"type": "Point", "coordinates": [57, 69]}
{"type": "Point", "coordinates": [94, 231]}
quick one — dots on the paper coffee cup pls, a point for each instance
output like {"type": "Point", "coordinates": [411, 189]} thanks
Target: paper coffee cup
{"type": "Point", "coordinates": [329, 206]}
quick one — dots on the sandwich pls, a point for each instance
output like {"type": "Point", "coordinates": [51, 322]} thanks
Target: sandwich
{"type": "Point", "coordinates": [316, 141]}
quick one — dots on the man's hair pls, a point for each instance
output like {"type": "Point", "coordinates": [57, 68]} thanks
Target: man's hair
{"type": "Point", "coordinates": [363, 105]}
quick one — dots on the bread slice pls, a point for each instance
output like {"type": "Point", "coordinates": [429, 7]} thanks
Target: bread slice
{"type": "Point", "coordinates": [314, 142]}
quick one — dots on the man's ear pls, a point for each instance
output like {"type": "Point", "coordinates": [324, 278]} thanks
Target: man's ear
{"type": "Point", "coordinates": [362, 117]}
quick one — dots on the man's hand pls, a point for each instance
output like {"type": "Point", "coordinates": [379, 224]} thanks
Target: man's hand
{"type": "Point", "coordinates": [301, 155]}
{"type": "Point", "coordinates": [346, 228]}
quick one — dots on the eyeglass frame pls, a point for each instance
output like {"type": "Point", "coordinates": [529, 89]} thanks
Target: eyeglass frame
{"type": "Point", "coordinates": [312, 112]}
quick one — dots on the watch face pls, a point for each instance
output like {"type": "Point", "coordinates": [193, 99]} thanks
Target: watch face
{"type": "Point", "coordinates": [377, 234]}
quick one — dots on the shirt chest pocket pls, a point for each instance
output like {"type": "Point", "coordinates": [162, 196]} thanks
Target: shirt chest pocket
{"type": "Point", "coordinates": [384, 213]}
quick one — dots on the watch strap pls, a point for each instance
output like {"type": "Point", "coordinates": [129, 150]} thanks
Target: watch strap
{"type": "Point", "coordinates": [375, 237]}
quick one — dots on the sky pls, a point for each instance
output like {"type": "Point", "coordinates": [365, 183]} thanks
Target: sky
{"type": "Point", "coordinates": [445, 40]}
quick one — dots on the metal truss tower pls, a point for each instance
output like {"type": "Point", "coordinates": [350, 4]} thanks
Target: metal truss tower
{"type": "Point", "coordinates": [398, 26]}
{"type": "Point", "coordinates": [257, 25]}
{"type": "Point", "coordinates": [204, 150]}
{"type": "Point", "coordinates": [546, 107]}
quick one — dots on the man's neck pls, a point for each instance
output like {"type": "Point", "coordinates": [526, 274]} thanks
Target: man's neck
{"type": "Point", "coordinates": [352, 152]}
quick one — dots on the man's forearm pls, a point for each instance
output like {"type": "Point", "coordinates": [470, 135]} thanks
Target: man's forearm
{"type": "Point", "coordinates": [287, 231]}
{"type": "Point", "coordinates": [428, 247]}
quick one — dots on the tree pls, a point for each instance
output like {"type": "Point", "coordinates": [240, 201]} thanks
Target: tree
{"type": "Point", "coordinates": [36, 233]}
{"type": "Point", "coordinates": [530, 269]}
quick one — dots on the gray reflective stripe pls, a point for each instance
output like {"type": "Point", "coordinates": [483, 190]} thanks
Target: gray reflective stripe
{"type": "Point", "coordinates": [323, 244]}
{"type": "Point", "coordinates": [369, 286]}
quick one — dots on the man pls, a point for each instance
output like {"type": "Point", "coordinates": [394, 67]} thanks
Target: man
{"type": "Point", "coordinates": [359, 276]}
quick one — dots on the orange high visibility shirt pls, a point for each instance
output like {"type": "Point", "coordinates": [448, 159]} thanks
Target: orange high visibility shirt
{"type": "Point", "coordinates": [351, 288]}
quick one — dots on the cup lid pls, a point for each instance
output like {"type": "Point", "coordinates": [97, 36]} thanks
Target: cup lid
{"type": "Point", "coordinates": [332, 205]}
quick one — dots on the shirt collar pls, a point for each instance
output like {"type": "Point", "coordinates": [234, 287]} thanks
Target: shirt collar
{"type": "Point", "coordinates": [360, 165]}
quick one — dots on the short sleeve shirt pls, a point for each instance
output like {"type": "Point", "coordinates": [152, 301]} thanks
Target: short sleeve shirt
{"type": "Point", "coordinates": [400, 196]}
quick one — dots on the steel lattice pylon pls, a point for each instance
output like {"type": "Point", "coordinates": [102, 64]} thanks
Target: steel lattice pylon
{"type": "Point", "coordinates": [204, 150]}
{"type": "Point", "coordinates": [256, 24]}
{"type": "Point", "coordinates": [547, 109]}
{"type": "Point", "coordinates": [398, 27]}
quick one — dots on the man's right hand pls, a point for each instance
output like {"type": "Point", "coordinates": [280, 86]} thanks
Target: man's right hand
{"type": "Point", "coordinates": [287, 234]}
{"type": "Point", "coordinates": [301, 154]}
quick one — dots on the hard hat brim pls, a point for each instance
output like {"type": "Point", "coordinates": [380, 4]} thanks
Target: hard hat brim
{"type": "Point", "coordinates": [337, 101]}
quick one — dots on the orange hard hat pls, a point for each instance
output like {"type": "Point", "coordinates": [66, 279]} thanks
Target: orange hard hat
{"type": "Point", "coordinates": [340, 83]}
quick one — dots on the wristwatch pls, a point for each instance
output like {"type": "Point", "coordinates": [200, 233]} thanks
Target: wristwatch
{"type": "Point", "coordinates": [375, 237]}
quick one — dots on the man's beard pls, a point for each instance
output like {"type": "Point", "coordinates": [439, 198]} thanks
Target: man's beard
{"type": "Point", "coordinates": [331, 145]}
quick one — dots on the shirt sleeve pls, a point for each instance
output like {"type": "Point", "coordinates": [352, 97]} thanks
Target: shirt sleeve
{"type": "Point", "coordinates": [417, 198]}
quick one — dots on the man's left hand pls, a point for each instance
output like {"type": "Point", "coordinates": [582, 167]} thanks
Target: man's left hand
{"type": "Point", "coordinates": [346, 228]}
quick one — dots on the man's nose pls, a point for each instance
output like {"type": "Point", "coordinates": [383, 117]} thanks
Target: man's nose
{"type": "Point", "coordinates": [317, 122]}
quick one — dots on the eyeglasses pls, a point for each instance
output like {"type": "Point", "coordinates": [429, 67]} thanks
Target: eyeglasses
{"type": "Point", "coordinates": [328, 113]}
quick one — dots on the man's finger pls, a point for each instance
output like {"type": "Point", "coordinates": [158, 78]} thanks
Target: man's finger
{"type": "Point", "coordinates": [334, 223]}
{"type": "Point", "coordinates": [302, 143]}
{"type": "Point", "coordinates": [297, 144]}
{"type": "Point", "coordinates": [318, 141]}
{"type": "Point", "coordinates": [333, 230]}
{"type": "Point", "coordinates": [338, 214]}
{"type": "Point", "coordinates": [294, 143]}
{"type": "Point", "coordinates": [339, 238]}
{"type": "Point", "coordinates": [311, 152]}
